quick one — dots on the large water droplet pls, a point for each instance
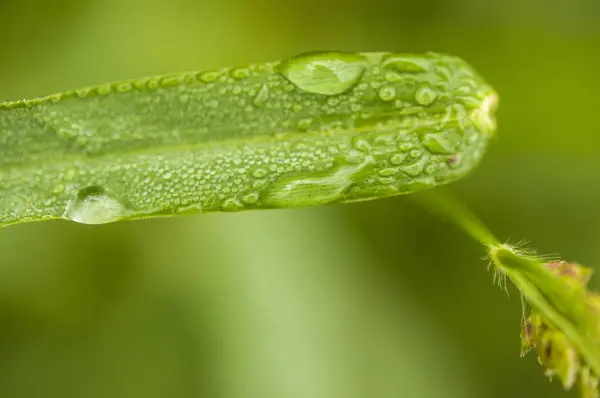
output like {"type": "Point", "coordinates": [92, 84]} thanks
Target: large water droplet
{"type": "Point", "coordinates": [324, 73]}
{"type": "Point", "coordinates": [94, 205]}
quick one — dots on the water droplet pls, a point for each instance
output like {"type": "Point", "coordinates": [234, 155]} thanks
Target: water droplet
{"type": "Point", "coordinates": [175, 80]}
{"type": "Point", "coordinates": [361, 144]}
{"type": "Point", "coordinates": [232, 204]}
{"type": "Point", "coordinates": [304, 124]}
{"type": "Point", "coordinates": [240, 73]}
{"type": "Point", "coordinates": [324, 73]}
{"type": "Point", "coordinates": [261, 98]}
{"type": "Point", "coordinates": [209, 76]}
{"type": "Point", "coordinates": [443, 143]}
{"type": "Point", "coordinates": [444, 72]}
{"type": "Point", "coordinates": [260, 173]}
{"type": "Point", "coordinates": [425, 96]}
{"type": "Point", "coordinates": [406, 146]}
{"type": "Point", "coordinates": [94, 205]}
{"type": "Point", "coordinates": [416, 168]}
{"type": "Point", "coordinates": [259, 183]}
{"type": "Point", "coordinates": [404, 64]}
{"type": "Point", "coordinates": [397, 159]}
{"type": "Point", "coordinates": [386, 180]}
{"type": "Point", "coordinates": [251, 198]}
{"type": "Point", "coordinates": [387, 93]}
{"type": "Point", "coordinates": [124, 87]}
{"type": "Point", "coordinates": [103, 89]}
{"type": "Point", "coordinates": [58, 189]}
{"type": "Point", "coordinates": [415, 153]}
{"type": "Point", "coordinates": [387, 172]}
{"type": "Point", "coordinates": [70, 173]}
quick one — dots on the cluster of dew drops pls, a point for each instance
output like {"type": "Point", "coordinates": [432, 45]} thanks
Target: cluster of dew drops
{"type": "Point", "coordinates": [328, 75]}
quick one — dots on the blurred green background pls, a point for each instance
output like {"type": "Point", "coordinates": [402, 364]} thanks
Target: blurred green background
{"type": "Point", "coordinates": [376, 299]}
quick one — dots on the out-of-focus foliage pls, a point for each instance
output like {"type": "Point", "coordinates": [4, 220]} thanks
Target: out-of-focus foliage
{"type": "Point", "coordinates": [375, 299]}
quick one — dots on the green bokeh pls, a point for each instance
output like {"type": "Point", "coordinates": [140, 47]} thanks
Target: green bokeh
{"type": "Point", "coordinates": [375, 299]}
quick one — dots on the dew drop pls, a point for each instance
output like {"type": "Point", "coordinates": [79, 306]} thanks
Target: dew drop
{"type": "Point", "coordinates": [251, 198]}
{"type": "Point", "coordinates": [414, 169]}
{"type": "Point", "coordinates": [404, 64]}
{"type": "Point", "coordinates": [58, 189]}
{"type": "Point", "coordinates": [232, 204]}
{"type": "Point", "coordinates": [425, 96]}
{"type": "Point", "coordinates": [304, 124]}
{"type": "Point", "coordinates": [387, 93]}
{"type": "Point", "coordinates": [94, 205]}
{"type": "Point", "coordinates": [261, 98]}
{"type": "Point", "coordinates": [327, 73]}
{"type": "Point", "coordinates": [259, 173]}
{"type": "Point", "coordinates": [388, 172]}
{"type": "Point", "coordinates": [70, 173]}
{"type": "Point", "coordinates": [443, 143]}
{"type": "Point", "coordinates": [386, 180]}
{"type": "Point", "coordinates": [415, 153]}
{"type": "Point", "coordinates": [397, 159]}
{"type": "Point", "coordinates": [361, 145]}
{"type": "Point", "coordinates": [241, 73]}
{"type": "Point", "coordinates": [209, 77]}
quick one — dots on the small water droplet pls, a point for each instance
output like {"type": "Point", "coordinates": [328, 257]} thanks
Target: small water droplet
{"type": "Point", "coordinates": [251, 198]}
{"type": "Point", "coordinates": [240, 73]}
{"type": "Point", "coordinates": [58, 189]}
{"type": "Point", "coordinates": [425, 96]}
{"type": "Point", "coordinates": [260, 173]}
{"type": "Point", "coordinates": [304, 124]}
{"type": "Point", "coordinates": [361, 144]}
{"type": "Point", "coordinates": [94, 205]}
{"type": "Point", "coordinates": [387, 172]}
{"type": "Point", "coordinates": [232, 204]}
{"type": "Point", "coordinates": [209, 76]}
{"type": "Point", "coordinates": [386, 180]}
{"type": "Point", "coordinates": [415, 153]}
{"type": "Point", "coordinates": [443, 143]}
{"type": "Point", "coordinates": [261, 98]}
{"type": "Point", "coordinates": [324, 73]}
{"type": "Point", "coordinates": [355, 107]}
{"type": "Point", "coordinates": [70, 173]}
{"type": "Point", "coordinates": [406, 146]}
{"type": "Point", "coordinates": [404, 63]}
{"type": "Point", "coordinates": [397, 159]}
{"type": "Point", "coordinates": [124, 87]}
{"type": "Point", "coordinates": [333, 102]}
{"type": "Point", "coordinates": [387, 93]}
{"type": "Point", "coordinates": [416, 168]}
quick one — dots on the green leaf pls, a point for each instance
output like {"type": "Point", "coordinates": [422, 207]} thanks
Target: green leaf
{"type": "Point", "coordinates": [315, 129]}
